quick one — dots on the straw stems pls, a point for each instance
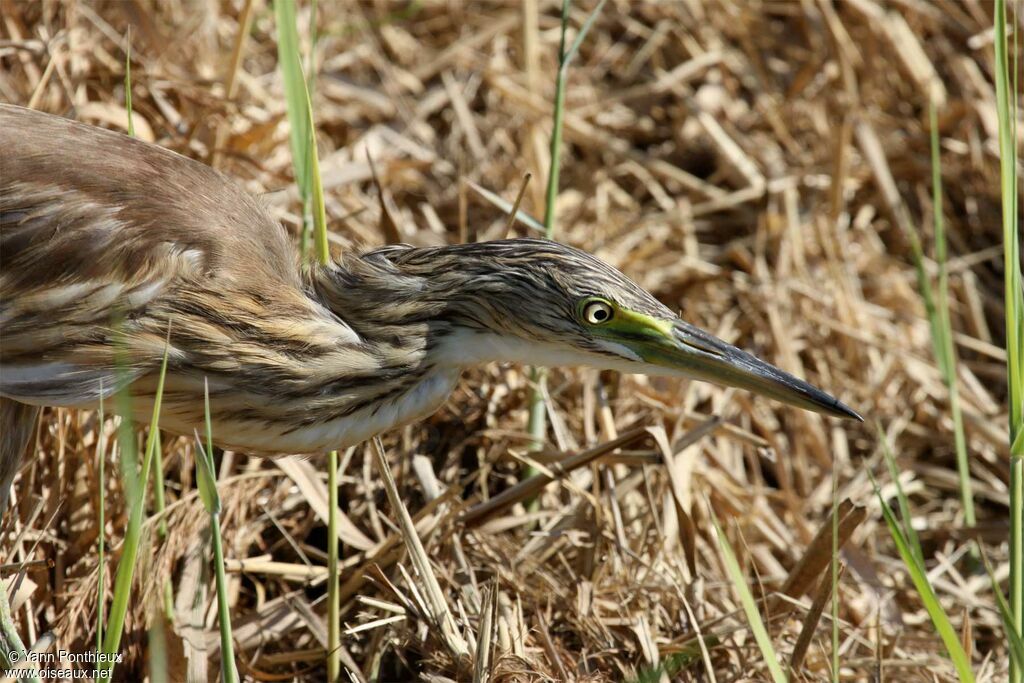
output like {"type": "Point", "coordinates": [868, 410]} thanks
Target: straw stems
{"type": "Point", "coordinates": [531, 487]}
{"type": "Point", "coordinates": [440, 613]}
{"type": "Point", "coordinates": [485, 639]}
{"type": "Point", "coordinates": [128, 85]}
{"type": "Point", "coordinates": [514, 212]}
{"type": "Point", "coordinates": [231, 82]}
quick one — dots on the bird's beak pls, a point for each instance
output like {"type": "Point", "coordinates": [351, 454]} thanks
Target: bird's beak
{"type": "Point", "coordinates": [684, 349]}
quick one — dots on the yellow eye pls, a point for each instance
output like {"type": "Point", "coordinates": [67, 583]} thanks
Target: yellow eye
{"type": "Point", "coordinates": [597, 312]}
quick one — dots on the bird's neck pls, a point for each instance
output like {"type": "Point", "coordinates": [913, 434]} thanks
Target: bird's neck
{"type": "Point", "coordinates": [431, 319]}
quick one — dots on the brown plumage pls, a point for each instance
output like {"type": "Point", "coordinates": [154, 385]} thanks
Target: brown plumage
{"type": "Point", "coordinates": [107, 241]}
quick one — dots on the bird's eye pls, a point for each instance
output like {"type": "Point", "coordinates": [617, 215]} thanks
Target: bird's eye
{"type": "Point", "coordinates": [597, 312]}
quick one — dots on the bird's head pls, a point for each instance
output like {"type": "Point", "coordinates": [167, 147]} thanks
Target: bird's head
{"type": "Point", "coordinates": [545, 303]}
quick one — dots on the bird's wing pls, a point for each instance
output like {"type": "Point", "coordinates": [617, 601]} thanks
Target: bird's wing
{"type": "Point", "coordinates": [97, 228]}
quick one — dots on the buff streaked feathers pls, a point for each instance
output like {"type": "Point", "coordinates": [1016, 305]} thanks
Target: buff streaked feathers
{"type": "Point", "coordinates": [104, 235]}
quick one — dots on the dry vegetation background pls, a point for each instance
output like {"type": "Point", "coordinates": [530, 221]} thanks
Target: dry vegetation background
{"type": "Point", "coordinates": [753, 164]}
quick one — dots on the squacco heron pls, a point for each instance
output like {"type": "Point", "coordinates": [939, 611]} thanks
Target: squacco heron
{"type": "Point", "coordinates": [106, 241]}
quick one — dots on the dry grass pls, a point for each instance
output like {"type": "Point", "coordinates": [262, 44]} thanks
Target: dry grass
{"type": "Point", "coordinates": [752, 164]}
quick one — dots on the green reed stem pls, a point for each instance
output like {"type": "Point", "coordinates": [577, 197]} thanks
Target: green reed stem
{"type": "Point", "coordinates": [1013, 299]}
{"type": "Point", "coordinates": [307, 174]}
{"type": "Point", "coordinates": [135, 492]}
{"type": "Point", "coordinates": [101, 541]}
{"type": "Point", "coordinates": [295, 102]}
{"type": "Point", "coordinates": [739, 582]}
{"type": "Point", "coordinates": [207, 480]}
{"type": "Point", "coordinates": [945, 351]}
{"type": "Point", "coordinates": [537, 425]}
{"type": "Point", "coordinates": [909, 548]}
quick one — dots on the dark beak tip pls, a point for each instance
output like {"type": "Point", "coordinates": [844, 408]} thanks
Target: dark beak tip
{"type": "Point", "coordinates": [846, 412]}
{"type": "Point", "coordinates": [828, 404]}
{"type": "Point", "coordinates": [775, 382]}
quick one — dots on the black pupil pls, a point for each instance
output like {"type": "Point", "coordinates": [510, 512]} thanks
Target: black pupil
{"type": "Point", "coordinates": [600, 314]}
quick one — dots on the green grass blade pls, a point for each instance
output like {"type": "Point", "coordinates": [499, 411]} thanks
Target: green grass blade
{"type": "Point", "coordinates": [333, 552]}
{"type": "Point", "coordinates": [311, 57]}
{"type": "Point", "coordinates": [135, 489]}
{"type": "Point", "coordinates": [160, 506]}
{"type": "Point", "coordinates": [554, 170]}
{"type": "Point", "coordinates": [296, 103]}
{"type": "Point", "coordinates": [1016, 643]}
{"type": "Point", "coordinates": [671, 666]}
{"type": "Point", "coordinates": [1013, 300]}
{"type": "Point", "coordinates": [584, 30]}
{"type": "Point", "coordinates": [1013, 636]}
{"type": "Point", "coordinates": [919, 577]}
{"type": "Point", "coordinates": [101, 541]}
{"type": "Point", "coordinates": [207, 480]}
{"type": "Point", "coordinates": [159, 497]}
{"type": "Point", "coordinates": [1007, 115]}
{"type": "Point", "coordinates": [564, 59]}
{"type": "Point", "coordinates": [835, 571]}
{"type": "Point", "coordinates": [228, 671]}
{"type": "Point", "coordinates": [323, 251]}
{"type": "Point", "coordinates": [928, 295]}
{"type": "Point", "coordinates": [206, 477]}
{"type": "Point", "coordinates": [537, 425]}
{"type": "Point", "coordinates": [158, 664]}
{"type": "Point", "coordinates": [294, 83]}
{"type": "Point", "coordinates": [764, 641]}
{"type": "Point", "coordinates": [128, 86]}
{"type": "Point", "coordinates": [944, 344]}
{"type": "Point", "coordinates": [110, 641]}
{"type": "Point", "coordinates": [940, 324]}
{"type": "Point", "coordinates": [127, 451]}
{"type": "Point", "coordinates": [333, 572]}
{"type": "Point", "coordinates": [907, 527]}
{"type": "Point", "coordinates": [300, 107]}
